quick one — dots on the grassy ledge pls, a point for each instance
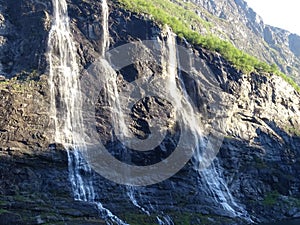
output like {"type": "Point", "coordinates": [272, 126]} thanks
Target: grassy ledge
{"type": "Point", "coordinates": [180, 19]}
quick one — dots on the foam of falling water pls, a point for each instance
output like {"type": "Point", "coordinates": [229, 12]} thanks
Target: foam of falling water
{"type": "Point", "coordinates": [160, 222]}
{"type": "Point", "coordinates": [170, 68]}
{"type": "Point", "coordinates": [181, 101]}
{"type": "Point", "coordinates": [110, 218]}
{"type": "Point", "coordinates": [63, 81]}
{"type": "Point", "coordinates": [66, 105]}
{"type": "Point", "coordinates": [170, 74]}
{"type": "Point", "coordinates": [219, 190]}
{"type": "Point", "coordinates": [66, 108]}
{"type": "Point", "coordinates": [166, 220]}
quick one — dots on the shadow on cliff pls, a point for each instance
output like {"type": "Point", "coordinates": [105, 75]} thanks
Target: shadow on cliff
{"type": "Point", "coordinates": [27, 27]}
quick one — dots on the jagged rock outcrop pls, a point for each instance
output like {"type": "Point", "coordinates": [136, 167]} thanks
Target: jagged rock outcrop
{"type": "Point", "coordinates": [234, 20]}
{"type": "Point", "coordinates": [259, 158]}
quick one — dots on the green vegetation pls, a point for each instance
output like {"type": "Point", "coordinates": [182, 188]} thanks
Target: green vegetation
{"type": "Point", "coordinates": [23, 82]}
{"type": "Point", "coordinates": [140, 219]}
{"type": "Point", "coordinates": [15, 86]}
{"type": "Point", "coordinates": [259, 163]}
{"type": "Point", "coordinates": [166, 12]}
{"type": "Point", "coordinates": [3, 211]}
{"type": "Point", "coordinates": [288, 80]}
{"type": "Point", "coordinates": [3, 203]}
{"type": "Point", "coordinates": [294, 201]}
{"type": "Point", "coordinates": [185, 22]}
{"type": "Point", "coordinates": [292, 130]}
{"type": "Point", "coordinates": [271, 198]}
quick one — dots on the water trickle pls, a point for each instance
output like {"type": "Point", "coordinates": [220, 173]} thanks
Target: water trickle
{"type": "Point", "coordinates": [66, 104]}
{"type": "Point", "coordinates": [166, 220]}
{"type": "Point", "coordinates": [131, 194]}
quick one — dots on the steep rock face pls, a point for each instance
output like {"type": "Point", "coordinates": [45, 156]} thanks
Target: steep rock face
{"type": "Point", "coordinates": [259, 158]}
{"type": "Point", "coordinates": [234, 20]}
{"type": "Point", "coordinates": [294, 41]}
{"type": "Point", "coordinates": [24, 124]}
{"type": "Point", "coordinates": [23, 36]}
{"type": "Point", "coordinates": [34, 185]}
{"type": "Point", "coordinates": [262, 145]}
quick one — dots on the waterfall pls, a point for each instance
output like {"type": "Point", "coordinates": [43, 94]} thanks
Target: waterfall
{"type": "Point", "coordinates": [212, 177]}
{"type": "Point", "coordinates": [66, 114]}
{"type": "Point", "coordinates": [105, 30]}
{"type": "Point", "coordinates": [131, 194]}
{"type": "Point", "coordinates": [66, 100]}
{"type": "Point", "coordinates": [174, 86]}
{"type": "Point", "coordinates": [165, 221]}
{"type": "Point", "coordinates": [66, 104]}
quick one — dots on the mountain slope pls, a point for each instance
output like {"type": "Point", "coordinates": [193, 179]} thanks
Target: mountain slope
{"type": "Point", "coordinates": [188, 25]}
{"type": "Point", "coordinates": [241, 25]}
{"type": "Point", "coordinates": [259, 160]}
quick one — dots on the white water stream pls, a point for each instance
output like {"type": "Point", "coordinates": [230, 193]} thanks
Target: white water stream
{"type": "Point", "coordinates": [66, 104]}
{"type": "Point", "coordinates": [215, 184]}
{"type": "Point", "coordinates": [66, 112]}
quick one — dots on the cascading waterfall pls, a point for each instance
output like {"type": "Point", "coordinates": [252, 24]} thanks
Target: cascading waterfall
{"type": "Point", "coordinates": [105, 30]}
{"type": "Point", "coordinates": [214, 182]}
{"type": "Point", "coordinates": [166, 220]}
{"type": "Point", "coordinates": [66, 112]}
{"type": "Point", "coordinates": [66, 104]}
{"type": "Point", "coordinates": [66, 99]}
{"type": "Point", "coordinates": [131, 194]}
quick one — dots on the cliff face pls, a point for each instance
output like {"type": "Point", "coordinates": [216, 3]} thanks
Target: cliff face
{"type": "Point", "coordinates": [23, 36]}
{"type": "Point", "coordinates": [20, 32]}
{"type": "Point", "coordinates": [259, 159]}
{"type": "Point", "coordinates": [234, 20]}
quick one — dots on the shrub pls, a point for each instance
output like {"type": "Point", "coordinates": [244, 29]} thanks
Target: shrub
{"type": "Point", "coordinates": [271, 198]}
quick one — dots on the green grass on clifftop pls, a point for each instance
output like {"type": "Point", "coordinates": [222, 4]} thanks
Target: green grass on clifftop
{"type": "Point", "coordinates": [181, 20]}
